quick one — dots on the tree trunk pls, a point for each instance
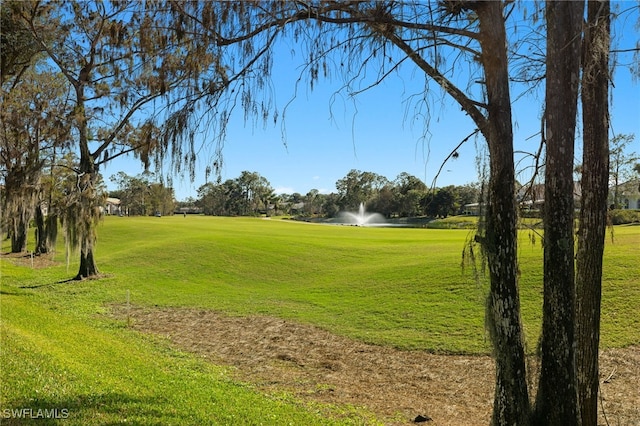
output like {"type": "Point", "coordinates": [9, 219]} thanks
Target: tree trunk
{"type": "Point", "coordinates": [41, 239]}
{"type": "Point", "coordinates": [19, 230]}
{"type": "Point", "coordinates": [511, 400]}
{"type": "Point", "coordinates": [556, 402]}
{"type": "Point", "coordinates": [88, 267]}
{"type": "Point", "coordinates": [47, 232]}
{"type": "Point", "coordinates": [51, 232]}
{"type": "Point", "coordinates": [593, 211]}
{"type": "Point", "coordinates": [88, 216]}
{"type": "Point", "coordinates": [17, 207]}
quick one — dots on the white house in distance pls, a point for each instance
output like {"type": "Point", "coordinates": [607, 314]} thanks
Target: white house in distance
{"type": "Point", "coordinates": [112, 206]}
{"type": "Point", "coordinates": [628, 195]}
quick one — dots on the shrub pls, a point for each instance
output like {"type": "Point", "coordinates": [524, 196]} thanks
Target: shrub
{"type": "Point", "coordinates": [620, 216]}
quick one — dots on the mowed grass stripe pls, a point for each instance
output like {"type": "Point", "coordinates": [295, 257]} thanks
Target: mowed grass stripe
{"type": "Point", "coordinates": [394, 286]}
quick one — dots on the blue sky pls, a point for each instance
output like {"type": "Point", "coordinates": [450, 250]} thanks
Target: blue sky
{"type": "Point", "coordinates": [377, 132]}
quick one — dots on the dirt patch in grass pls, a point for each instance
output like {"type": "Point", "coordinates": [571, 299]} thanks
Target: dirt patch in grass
{"type": "Point", "coordinates": [32, 260]}
{"type": "Point", "coordinates": [279, 355]}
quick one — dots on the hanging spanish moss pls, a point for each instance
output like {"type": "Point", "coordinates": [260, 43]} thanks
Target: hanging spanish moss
{"type": "Point", "coordinates": [80, 216]}
{"type": "Point", "coordinates": [18, 205]}
{"type": "Point", "coordinates": [46, 230]}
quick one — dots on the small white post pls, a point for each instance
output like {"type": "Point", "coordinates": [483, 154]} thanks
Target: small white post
{"type": "Point", "coordinates": [128, 310]}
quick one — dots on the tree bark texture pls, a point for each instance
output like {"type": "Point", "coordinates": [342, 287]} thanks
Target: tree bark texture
{"type": "Point", "coordinates": [88, 266]}
{"type": "Point", "coordinates": [41, 241]}
{"type": "Point", "coordinates": [19, 203]}
{"type": "Point", "coordinates": [88, 217]}
{"type": "Point", "coordinates": [51, 232]}
{"type": "Point", "coordinates": [511, 398]}
{"type": "Point", "coordinates": [556, 401]}
{"type": "Point", "coordinates": [593, 211]}
{"type": "Point", "coordinates": [87, 208]}
{"type": "Point", "coordinates": [19, 229]}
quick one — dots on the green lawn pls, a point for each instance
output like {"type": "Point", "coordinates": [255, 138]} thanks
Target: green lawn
{"type": "Point", "coordinates": [391, 286]}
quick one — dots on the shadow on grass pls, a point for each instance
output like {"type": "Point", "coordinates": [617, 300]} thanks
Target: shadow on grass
{"type": "Point", "coordinates": [67, 281]}
{"type": "Point", "coordinates": [70, 280]}
{"type": "Point", "coordinates": [100, 408]}
{"type": "Point", "coordinates": [10, 293]}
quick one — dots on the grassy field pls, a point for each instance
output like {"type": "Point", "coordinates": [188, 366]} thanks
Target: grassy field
{"type": "Point", "coordinates": [392, 286]}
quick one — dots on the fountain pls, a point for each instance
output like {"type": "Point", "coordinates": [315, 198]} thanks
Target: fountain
{"type": "Point", "coordinates": [362, 218]}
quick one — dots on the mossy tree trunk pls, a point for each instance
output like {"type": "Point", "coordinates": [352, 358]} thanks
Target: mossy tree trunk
{"type": "Point", "coordinates": [19, 201]}
{"type": "Point", "coordinates": [556, 400]}
{"type": "Point", "coordinates": [19, 229]}
{"type": "Point", "coordinates": [593, 210]}
{"type": "Point", "coordinates": [88, 267]}
{"type": "Point", "coordinates": [87, 209]}
{"type": "Point", "coordinates": [511, 399]}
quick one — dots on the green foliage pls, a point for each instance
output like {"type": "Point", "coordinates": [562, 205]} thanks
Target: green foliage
{"type": "Point", "coordinates": [18, 47]}
{"type": "Point", "coordinates": [143, 195]}
{"type": "Point", "coordinates": [623, 216]}
{"type": "Point", "coordinates": [246, 195]}
{"type": "Point", "coordinates": [251, 194]}
{"type": "Point", "coordinates": [454, 222]}
{"type": "Point", "coordinates": [358, 187]}
{"type": "Point", "coordinates": [26, 145]}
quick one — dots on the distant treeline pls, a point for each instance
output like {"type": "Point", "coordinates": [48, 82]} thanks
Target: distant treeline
{"type": "Point", "coordinates": [250, 194]}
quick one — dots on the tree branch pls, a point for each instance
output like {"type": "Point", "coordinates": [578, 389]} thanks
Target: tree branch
{"type": "Point", "coordinates": [468, 105]}
{"type": "Point", "coordinates": [452, 154]}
